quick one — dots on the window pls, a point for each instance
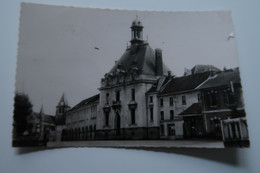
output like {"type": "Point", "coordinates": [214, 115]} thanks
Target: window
{"type": "Point", "coordinates": [171, 130]}
{"type": "Point", "coordinates": [229, 98]}
{"type": "Point", "coordinates": [183, 100]}
{"type": "Point", "coordinates": [117, 95]}
{"type": "Point", "coordinates": [93, 112]}
{"type": "Point", "coordinates": [171, 114]}
{"type": "Point", "coordinates": [151, 99]}
{"type": "Point", "coordinates": [213, 98]}
{"type": "Point", "coordinates": [162, 115]}
{"type": "Point", "coordinates": [161, 102]}
{"type": "Point", "coordinates": [133, 94]}
{"type": "Point", "coordinates": [132, 116]}
{"type": "Point", "coordinates": [162, 129]}
{"type": "Point", "coordinates": [171, 101]}
{"type": "Point", "coordinates": [106, 118]}
{"type": "Point", "coordinates": [151, 114]}
{"type": "Point", "coordinates": [107, 98]}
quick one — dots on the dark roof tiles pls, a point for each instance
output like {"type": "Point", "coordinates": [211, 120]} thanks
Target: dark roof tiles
{"type": "Point", "coordinates": [185, 83]}
{"type": "Point", "coordinates": [194, 109]}
{"type": "Point", "coordinates": [86, 102]}
{"type": "Point", "coordinates": [222, 79]}
{"type": "Point", "coordinates": [140, 57]}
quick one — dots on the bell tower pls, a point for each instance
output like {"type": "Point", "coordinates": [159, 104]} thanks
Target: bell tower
{"type": "Point", "coordinates": [137, 31]}
{"type": "Point", "coordinates": [61, 110]}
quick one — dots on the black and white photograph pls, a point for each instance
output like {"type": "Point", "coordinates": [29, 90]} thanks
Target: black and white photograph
{"type": "Point", "coordinates": [91, 77]}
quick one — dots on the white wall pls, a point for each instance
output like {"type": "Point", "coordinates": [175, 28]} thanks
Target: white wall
{"type": "Point", "coordinates": [125, 98]}
{"type": "Point", "coordinates": [247, 27]}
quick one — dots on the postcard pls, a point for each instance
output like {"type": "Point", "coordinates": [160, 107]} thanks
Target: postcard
{"type": "Point", "coordinates": [119, 78]}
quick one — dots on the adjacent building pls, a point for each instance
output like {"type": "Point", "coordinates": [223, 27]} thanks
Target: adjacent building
{"type": "Point", "coordinates": [41, 128]}
{"type": "Point", "coordinates": [81, 120]}
{"type": "Point", "coordinates": [178, 94]}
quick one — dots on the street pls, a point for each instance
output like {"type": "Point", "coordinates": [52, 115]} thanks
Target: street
{"type": "Point", "coordinates": [141, 143]}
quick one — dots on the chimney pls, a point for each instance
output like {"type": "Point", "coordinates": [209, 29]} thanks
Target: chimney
{"type": "Point", "coordinates": [158, 62]}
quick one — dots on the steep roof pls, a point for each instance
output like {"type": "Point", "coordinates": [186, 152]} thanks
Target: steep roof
{"type": "Point", "coordinates": [45, 117]}
{"type": "Point", "coordinates": [86, 102]}
{"type": "Point", "coordinates": [222, 79]}
{"type": "Point", "coordinates": [48, 118]}
{"type": "Point", "coordinates": [63, 101]}
{"type": "Point", "coordinates": [140, 57]}
{"type": "Point", "coordinates": [185, 83]}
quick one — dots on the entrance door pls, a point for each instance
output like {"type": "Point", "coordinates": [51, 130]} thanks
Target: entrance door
{"type": "Point", "coordinates": [117, 124]}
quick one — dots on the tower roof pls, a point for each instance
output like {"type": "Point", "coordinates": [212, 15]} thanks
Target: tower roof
{"type": "Point", "coordinates": [63, 101]}
{"type": "Point", "coordinates": [139, 57]}
{"type": "Point", "coordinates": [137, 22]}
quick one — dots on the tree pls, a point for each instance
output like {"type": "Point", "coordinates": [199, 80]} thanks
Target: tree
{"type": "Point", "coordinates": [22, 109]}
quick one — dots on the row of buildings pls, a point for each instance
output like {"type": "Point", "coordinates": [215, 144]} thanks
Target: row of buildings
{"type": "Point", "coordinates": [139, 98]}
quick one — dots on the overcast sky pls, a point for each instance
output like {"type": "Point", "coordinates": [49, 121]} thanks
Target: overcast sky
{"type": "Point", "coordinates": [57, 52]}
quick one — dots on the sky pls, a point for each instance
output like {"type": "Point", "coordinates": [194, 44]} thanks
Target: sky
{"type": "Point", "coordinates": [56, 48]}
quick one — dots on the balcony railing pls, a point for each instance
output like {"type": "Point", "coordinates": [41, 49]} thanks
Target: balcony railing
{"type": "Point", "coordinates": [116, 104]}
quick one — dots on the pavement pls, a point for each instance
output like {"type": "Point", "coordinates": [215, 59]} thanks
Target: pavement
{"type": "Point", "coordinates": [142, 144]}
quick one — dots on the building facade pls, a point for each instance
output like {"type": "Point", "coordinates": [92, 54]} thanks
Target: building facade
{"type": "Point", "coordinates": [81, 120]}
{"type": "Point", "coordinates": [123, 101]}
{"type": "Point", "coordinates": [222, 99]}
{"type": "Point", "coordinates": [175, 97]}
